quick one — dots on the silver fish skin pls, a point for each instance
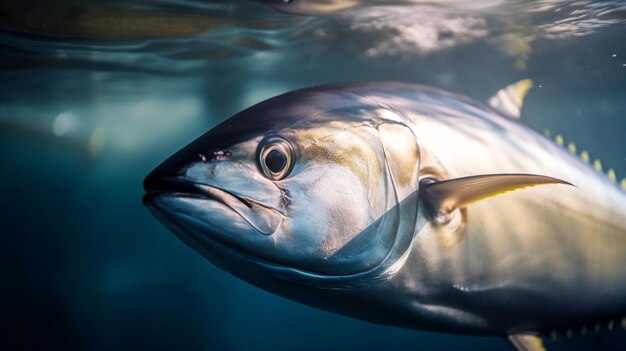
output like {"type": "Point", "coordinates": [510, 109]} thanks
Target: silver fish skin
{"type": "Point", "coordinates": [347, 228]}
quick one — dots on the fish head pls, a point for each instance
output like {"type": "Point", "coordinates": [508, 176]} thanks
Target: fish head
{"type": "Point", "coordinates": [304, 182]}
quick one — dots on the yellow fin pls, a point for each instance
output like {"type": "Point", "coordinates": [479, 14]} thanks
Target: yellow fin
{"type": "Point", "coordinates": [623, 184]}
{"type": "Point", "coordinates": [584, 156]}
{"type": "Point", "coordinates": [611, 174]}
{"type": "Point", "coordinates": [509, 100]}
{"type": "Point", "coordinates": [526, 342]}
{"type": "Point", "coordinates": [559, 139]}
{"type": "Point", "coordinates": [597, 165]}
{"type": "Point", "coordinates": [443, 197]}
{"type": "Point", "coordinates": [571, 147]}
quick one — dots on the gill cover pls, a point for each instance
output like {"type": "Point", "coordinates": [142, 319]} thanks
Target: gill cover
{"type": "Point", "coordinates": [398, 222]}
{"type": "Point", "coordinates": [402, 157]}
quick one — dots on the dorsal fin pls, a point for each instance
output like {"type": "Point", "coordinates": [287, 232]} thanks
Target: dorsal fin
{"type": "Point", "coordinates": [509, 100]}
{"type": "Point", "coordinates": [443, 197]}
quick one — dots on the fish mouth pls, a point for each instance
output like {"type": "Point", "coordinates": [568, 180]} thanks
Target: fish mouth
{"type": "Point", "coordinates": [263, 218]}
{"type": "Point", "coordinates": [182, 187]}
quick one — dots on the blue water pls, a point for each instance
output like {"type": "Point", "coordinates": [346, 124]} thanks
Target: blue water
{"type": "Point", "coordinates": [94, 94]}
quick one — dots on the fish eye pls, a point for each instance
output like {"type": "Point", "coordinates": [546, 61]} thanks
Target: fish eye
{"type": "Point", "coordinates": [275, 157]}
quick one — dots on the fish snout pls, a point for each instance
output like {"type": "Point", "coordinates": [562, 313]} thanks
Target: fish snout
{"type": "Point", "coordinates": [172, 167]}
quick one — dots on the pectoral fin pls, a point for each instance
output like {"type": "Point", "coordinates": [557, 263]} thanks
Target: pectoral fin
{"type": "Point", "coordinates": [443, 197]}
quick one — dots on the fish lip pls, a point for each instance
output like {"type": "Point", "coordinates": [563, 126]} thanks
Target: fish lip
{"type": "Point", "coordinates": [183, 187]}
{"type": "Point", "coordinates": [264, 218]}
{"type": "Point", "coordinates": [173, 186]}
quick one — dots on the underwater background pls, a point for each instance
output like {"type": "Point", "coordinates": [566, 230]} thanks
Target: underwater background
{"type": "Point", "coordinates": [94, 94]}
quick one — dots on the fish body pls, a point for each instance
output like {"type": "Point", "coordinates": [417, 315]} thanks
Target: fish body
{"type": "Point", "coordinates": [346, 223]}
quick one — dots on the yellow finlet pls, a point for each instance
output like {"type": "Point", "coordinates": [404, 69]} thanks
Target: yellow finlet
{"type": "Point", "coordinates": [611, 174]}
{"type": "Point", "coordinates": [584, 156]}
{"type": "Point", "coordinates": [559, 139]}
{"type": "Point", "coordinates": [571, 147]}
{"type": "Point", "coordinates": [597, 165]}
